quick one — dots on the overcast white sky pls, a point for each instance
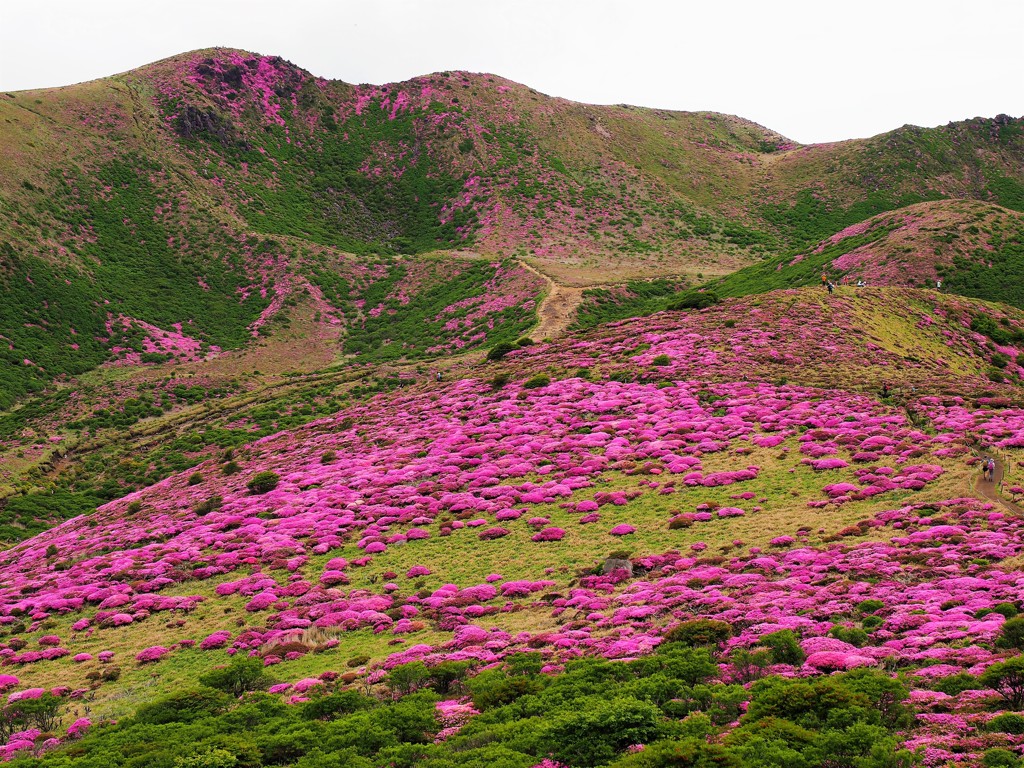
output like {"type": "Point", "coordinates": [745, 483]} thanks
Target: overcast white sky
{"type": "Point", "coordinates": [814, 71]}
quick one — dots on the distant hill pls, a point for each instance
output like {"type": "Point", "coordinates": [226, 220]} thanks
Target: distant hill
{"type": "Point", "coordinates": [179, 206]}
{"type": "Point", "coordinates": [970, 248]}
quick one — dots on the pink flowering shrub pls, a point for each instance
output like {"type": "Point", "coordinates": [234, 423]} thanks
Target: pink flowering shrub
{"type": "Point", "coordinates": [549, 534]}
{"type": "Point", "coordinates": [151, 654]}
{"type": "Point", "coordinates": [215, 640]}
{"type": "Point", "coordinates": [493, 533]}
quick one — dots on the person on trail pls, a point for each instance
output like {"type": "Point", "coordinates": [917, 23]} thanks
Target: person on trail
{"type": "Point", "coordinates": [885, 389]}
{"type": "Point", "coordinates": [990, 469]}
{"type": "Point", "coordinates": [440, 376]}
{"type": "Point", "coordinates": [830, 287]}
{"type": "Point", "coordinates": [824, 280]}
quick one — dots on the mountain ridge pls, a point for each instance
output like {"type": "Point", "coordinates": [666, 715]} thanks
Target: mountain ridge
{"type": "Point", "coordinates": [148, 194]}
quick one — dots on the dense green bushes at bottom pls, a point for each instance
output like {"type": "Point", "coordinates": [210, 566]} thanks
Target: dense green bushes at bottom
{"type": "Point", "coordinates": [667, 709]}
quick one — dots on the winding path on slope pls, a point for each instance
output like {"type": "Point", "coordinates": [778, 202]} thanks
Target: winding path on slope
{"type": "Point", "coordinates": [990, 489]}
{"type": "Point", "coordinates": [557, 309]}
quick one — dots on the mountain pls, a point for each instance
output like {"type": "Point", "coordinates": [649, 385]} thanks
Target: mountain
{"type": "Point", "coordinates": [171, 211]}
{"type": "Point", "coordinates": [265, 499]}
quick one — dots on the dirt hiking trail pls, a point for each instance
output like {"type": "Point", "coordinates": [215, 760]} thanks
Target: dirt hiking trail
{"type": "Point", "coordinates": [990, 490]}
{"type": "Point", "coordinates": [557, 309]}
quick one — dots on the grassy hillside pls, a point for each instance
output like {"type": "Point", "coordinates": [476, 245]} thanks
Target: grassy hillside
{"type": "Point", "coordinates": [974, 249]}
{"type": "Point", "coordinates": [785, 485]}
{"type": "Point", "coordinates": [174, 202]}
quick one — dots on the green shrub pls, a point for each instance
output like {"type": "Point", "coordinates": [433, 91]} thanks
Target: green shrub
{"type": "Point", "coordinates": [748, 665]}
{"type": "Point", "coordinates": [695, 752]}
{"type": "Point", "coordinates": [195, 478]}
{"type": "Point", "coordinates": [997, 757]}
{"type": "Point", "coordinates": [1009, 610]}
{"type": "Point", "coordinates": [215, 758]}
{"type": "Point", "coordinates": [525, 341]}
{"type": "Point", "coordinates": [699, 632]}
{"type": "Point", "coordinates": [212, 504]}
{"type": "Point", "coordinates": [498, 351]}
{"type": "Point", "coordinates": [231, 468]}
{"type": "Point", "coordinates": [1011, 635]}
{"type": "Point", "coordinates": [870, 622]}
{"type": "Point", "coordinates": [496, 687]}
{"type": "Point", "coordinates": [807, 703]}
{"type": "Point", "coordinates": [852, 635]}
{"type": "Point", "coordinates": [884, 693]}
{"type": "Point", "coordinates": [695, 300]}
{"type": "Point", "coordinates": [538, 381]}
{"type": "Point", "coordinates": [661, 360]}
{"type": "Point", "coordinates": [1008, 722]}
{"type": "Point", "coordinates": [329, 706]}
{"type": "Point", "coordinates": [986, 326]}
{"type": "Point", "coordinates": [243, 674]}
{"type": "Point", "coordinates": [870, 606]}
{"type": "Point", "coordinates": [953, 685]}
{"type": "Point", "coordinates": [184, 707]}
{"type": "Point", "coordinates": [524, 663]}
{"type": "Point", "coordinates": [500, 381]}
{"type": "Point", "coordinates": [263, 482]}
{"type": "Point", "coordinates": [784, 646]}
{"type": "Point", "coordinates": [328, 457]}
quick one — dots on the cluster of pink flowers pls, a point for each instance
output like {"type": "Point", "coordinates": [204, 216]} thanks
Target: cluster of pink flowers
{"type": "Point", "coordinates": [452, 715]}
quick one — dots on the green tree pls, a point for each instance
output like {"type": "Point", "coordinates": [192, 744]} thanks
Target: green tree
{"type": "Point", "coordinates": [241, 675]}
{"type": "Point", "coordinates": [405, 678]}
{"type": "Point", "coordinates": [1011, 635]}
{"type": "Point", "coordinates": [1007, 679]}
{"type": "Point", "coordinates": [595, 729]}
{"type": "Point", "coordinates": [784, 646]}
